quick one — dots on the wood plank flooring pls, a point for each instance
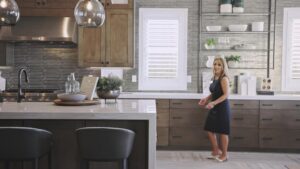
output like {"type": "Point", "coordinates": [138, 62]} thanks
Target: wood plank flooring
{"type": "Point", "coordinates": [237, 160]}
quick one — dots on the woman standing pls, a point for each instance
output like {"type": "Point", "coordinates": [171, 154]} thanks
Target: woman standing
{"type": "Point", "coordinates": [218, 119]}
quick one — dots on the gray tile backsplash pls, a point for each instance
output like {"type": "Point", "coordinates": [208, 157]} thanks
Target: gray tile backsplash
{"type": "Point", "coordinates": [49, 64]}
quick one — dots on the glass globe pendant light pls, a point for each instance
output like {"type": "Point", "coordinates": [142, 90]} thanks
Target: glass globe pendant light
{"type": "Point", "coordinates": [89, 13]}
{"type": "Point", "coordinates": [9, 12]}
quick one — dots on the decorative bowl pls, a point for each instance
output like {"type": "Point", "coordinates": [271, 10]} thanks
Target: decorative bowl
{"type": "Point", "coordinates": [237, 28]}
{"type": "Point", "coordinates": [71, 97]}
{"type": "Point", "coordinates": [111, 94]}
{"type": "Point", "coordinates": [213, 28]}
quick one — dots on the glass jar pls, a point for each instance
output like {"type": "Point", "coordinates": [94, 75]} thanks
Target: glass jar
{"type": "Point", "coordinates": [72, 86]}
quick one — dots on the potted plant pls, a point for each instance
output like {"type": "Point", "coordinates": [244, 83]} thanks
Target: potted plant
{"type": "Point", "coordinates": [232, 60]}
{"type": "Point", "coordinates": [109, 87]}
{"type": "Point", "coordinates": [210, 43]}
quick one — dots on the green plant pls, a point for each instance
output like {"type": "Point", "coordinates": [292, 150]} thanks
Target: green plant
{"type": "Point", "coordinates": [233, 58]}
{"type": "Point", "coordinates": [211, 42]}
{"type": "Point", "coordinates": [109, 83]}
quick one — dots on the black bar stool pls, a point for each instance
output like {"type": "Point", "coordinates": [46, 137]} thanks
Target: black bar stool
{"type": "Point", "coordinates": [24, 144]}
{"type": "Point", "coordinates": [104, 144]}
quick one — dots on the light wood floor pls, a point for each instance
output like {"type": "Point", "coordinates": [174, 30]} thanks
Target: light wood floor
{"type": "Point", "coordinates": [237, 160]}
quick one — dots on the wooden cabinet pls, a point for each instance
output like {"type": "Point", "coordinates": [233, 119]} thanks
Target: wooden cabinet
{"type": "Point", "coordinates": [163, 115]}
{"type": "Point", "coordinates": [47, 7]}
{"type": "Point", "coordinates": [110, 45]}
{"type": "Point", "coordinates": [279, 124]}
{"type": "Point", "coordinates": [244, 123]}
{"type": "Point", "coordinates": [109, 4]}
{"type": "Point", "coordinates": [186, 124]}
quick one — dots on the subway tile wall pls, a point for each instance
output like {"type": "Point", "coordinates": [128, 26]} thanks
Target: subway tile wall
{"type": "Point", "coordinates": [49, 64]}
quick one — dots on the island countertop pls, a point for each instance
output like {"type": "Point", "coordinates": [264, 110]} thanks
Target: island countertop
{"type": "Point", "coordinates": [121, 109]}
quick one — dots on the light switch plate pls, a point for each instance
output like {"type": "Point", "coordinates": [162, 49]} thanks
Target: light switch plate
{"type": "Point", "coordinates": [133, 78]}
{"type": "Point", "coordinates": [189, 79]}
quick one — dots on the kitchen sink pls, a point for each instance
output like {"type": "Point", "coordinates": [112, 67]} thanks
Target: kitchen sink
{"type": "Point", "coordinates": [30, 96]}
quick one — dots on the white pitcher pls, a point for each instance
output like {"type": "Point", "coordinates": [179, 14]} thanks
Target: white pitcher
{"type": "Point", "coordinates": [210, 61]}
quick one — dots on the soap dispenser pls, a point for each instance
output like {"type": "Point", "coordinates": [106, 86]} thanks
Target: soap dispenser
{"type": "Point", "coordinates": [2, 83]}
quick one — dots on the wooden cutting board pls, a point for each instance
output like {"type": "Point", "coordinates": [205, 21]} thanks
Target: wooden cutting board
{"type": "Point", "coordinates": [79, 103]}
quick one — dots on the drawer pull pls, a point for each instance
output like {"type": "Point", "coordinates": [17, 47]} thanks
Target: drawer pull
{"type": "Point", "coordinates": [238, 104]}
{"type": "Point", "coordinates": [298, 120]}
{"type": "Point", "coordinates": [267, 138]}
{"type": "Point", "coordinates": [297, 105]}
{"type": "Point", "coordinates": [238, 138]}
{"type": "Point", "coordinates": [177, 117]}
{"type": "Point", "coordinates": [267, 104]}
{"type": "Point", "coordinates": [297, 139]}
{"type": "Point", "coordinates": [177, 136]}
{"type": "Point", "coordinates": [238, 118]}
{"type": "Point", "coordinates": [266, 119]}
{"type": "Point", "coordinates": [177, 103]}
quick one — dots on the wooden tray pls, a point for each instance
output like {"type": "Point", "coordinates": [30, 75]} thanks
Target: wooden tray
{"type": "Point", "coordinates": [80, 103]}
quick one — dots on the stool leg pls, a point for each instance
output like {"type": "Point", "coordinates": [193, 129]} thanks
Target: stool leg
{"type": "Point", "coordinates": [6, 164]}
{"type": "Point", "coordinates": [36, 163]}
{"type": "Point", "coordinates": [50, 160]}
{"type": "Point", "coordinates": [84, 164]}
{"type": "Point", "coordinates": [123, 164]}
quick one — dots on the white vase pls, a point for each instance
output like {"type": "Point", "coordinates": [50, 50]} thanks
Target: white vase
{"type": "Point", "coordinates": [210, 61]}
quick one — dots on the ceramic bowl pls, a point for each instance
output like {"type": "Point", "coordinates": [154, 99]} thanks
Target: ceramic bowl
{"type": "Point", "coordinates": [71, 97]}
{"type": "Point", "coordinates": [237, 28]}
{"type": "Point", "coordinates": [213, 28]}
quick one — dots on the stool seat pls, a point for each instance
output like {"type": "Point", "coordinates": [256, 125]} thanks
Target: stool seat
{"type": "Point", "coordinates": [105, 144]}
{"type": "Point", "coordinates": [24, 143]}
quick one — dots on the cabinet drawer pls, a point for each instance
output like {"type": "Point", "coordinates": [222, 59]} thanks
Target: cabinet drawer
{"type": "Point", "coordinates": [162, 136]}
{"type": "Point", "coordinates": [244, 118]}
{"type": "Point", "coordinates": [271, 138]}
{"type": "Point", "coordinates": [292, 119]}
{"type": "Point", "coordinates": [244, 137]}
{"type": "Point", "coordinates": [271, 119]}
{"type": "Point", "coordinates": [162, 117]}
{"type": "Point", "coordinates": [187, 117]}
{"type": "Point", "coordinates": [292, 139]}
{"type": "Point", "coordinates": [193, 136]}
{"type": "Point", "coordinates": [244, 104]}
{"type": "Point", "coordinates": [179, 103]}
{"type": "Point", "coordinates": [162, 103]}
{"type": "Point", "coordinates": [279, 104]}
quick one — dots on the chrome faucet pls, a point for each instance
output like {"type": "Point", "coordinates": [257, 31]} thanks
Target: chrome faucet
{"type": "Point", "coordinates": [21, 95]}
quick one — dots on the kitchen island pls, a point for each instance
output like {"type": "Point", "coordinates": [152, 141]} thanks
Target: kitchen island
{"type": "Point", "coordinates": [62, 121]}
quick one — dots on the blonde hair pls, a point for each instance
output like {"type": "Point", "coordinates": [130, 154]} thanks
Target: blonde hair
{"type": "Point", "coordinates": [225, 72]}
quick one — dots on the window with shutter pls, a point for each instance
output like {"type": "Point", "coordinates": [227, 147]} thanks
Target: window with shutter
{"type": "Point", "coordinates": [162, 49]}
{"type": "Point", "coordinates": [291, 50]}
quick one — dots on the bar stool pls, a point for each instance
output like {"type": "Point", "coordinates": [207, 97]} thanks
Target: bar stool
{"type": "Point", "coordinates": [104, 144]}
{"type": "Point", "coordinates": [24, 144]}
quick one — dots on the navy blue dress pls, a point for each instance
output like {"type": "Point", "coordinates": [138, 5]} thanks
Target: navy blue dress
{"type": "Point", "coordinates": [218, 118]}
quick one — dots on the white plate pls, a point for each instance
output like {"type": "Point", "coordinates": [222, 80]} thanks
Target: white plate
{"type": "Point", "coordinates": [237, 28]}
{"type": "Point", "coordinates": [213, 28]}
{"type": "Point", "coordinates": [68, 97]}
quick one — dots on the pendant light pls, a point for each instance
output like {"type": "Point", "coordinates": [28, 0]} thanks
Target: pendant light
{"type": "Point", "coordinates": [89, 13]}
{"type": "Point", "coordinates": [9, 12]}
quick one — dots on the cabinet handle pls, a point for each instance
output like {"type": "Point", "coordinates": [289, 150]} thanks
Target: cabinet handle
{"type": "Point", "coordinates": [107, 4]}
{"type": "Point", "coordinates": [177, 117]}
{"type": "Point", "coordinates": [267, 104]}
{"type": "Point", "coordinates": [102, 63]}
{"type": "Point", "coordinates": [267, 138]}
{"type": "Point", "coordinates": [177, 136]}
{"type": "Point", "coordinates": [38, 3]}
{"type": "Point", "coordinates": [297, 139]}
{"type": "Point", "coordinates": [177, 103]}
{"type": "Point", "coordinates": [297, 105]}
{"type": "Point", "coordinates": [298, 120]}
{"type": "Point", "coordinates": [266, 119]}
{"type": "Point", "coordinates": [238, 104]}
{"type": "Point", "coordinates": [43, 3]}
{"type": "Point", "coordinates": [238, 118]}
{"type": "Point", "coordinates": [107, 62]}
{"type": "Point", "coordinates": [238, 138]}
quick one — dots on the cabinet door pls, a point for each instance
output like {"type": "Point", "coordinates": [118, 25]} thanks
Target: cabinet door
{"type": "Point", "coordinates": [119, 38]}
{"type": "Point", "coordinates": [162, 117]}
{"type": "Point", "coordinates": [187, 117]}
{"type": "Point", "coordinates": [162, 136]}
{"type": "Point", "coordinates": [244, 137]}
{"type": "Point", "coordinates": [116, 5]}
{"type": "Point", "coordinates": [91, 47]}
{"type": "Point", "coordinates": [188, 137]}
{"type": "Point", "coordinates": [244, 118]}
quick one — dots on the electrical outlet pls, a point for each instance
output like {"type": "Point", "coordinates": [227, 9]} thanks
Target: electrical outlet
{"type": "Point", "coordinates": [133, 78]}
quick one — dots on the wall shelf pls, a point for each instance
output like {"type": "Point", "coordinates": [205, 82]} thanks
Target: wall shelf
{"type": "Point", "coordinates": [236, 14]}
{"type": "Point", "coordinates": [229, 32]}
{"type": "Point", "coordinates": [236, 50]}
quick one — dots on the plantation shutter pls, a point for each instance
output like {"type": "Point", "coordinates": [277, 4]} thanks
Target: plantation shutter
{"type": "Point", "coordinates": [295, 50]}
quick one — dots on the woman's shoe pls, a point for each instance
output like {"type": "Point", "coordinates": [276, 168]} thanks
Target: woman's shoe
{"type": "Point", "coordinates": [220, 160]}
{"type": "Point", "coordinates": [212, 157]}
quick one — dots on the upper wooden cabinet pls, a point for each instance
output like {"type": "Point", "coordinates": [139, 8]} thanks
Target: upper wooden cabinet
{"type": "Point", "coordinates": [110, 45]}
{"type": "Point", "coordinates": [47, 7]}
{"type": "Point", "coordinates": [110, 4]}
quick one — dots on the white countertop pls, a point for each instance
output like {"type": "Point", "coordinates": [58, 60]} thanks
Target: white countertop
{"type": "Point", "coordinates": [150, 95]}
{"type": "Point", "coordinates": [124, 109]}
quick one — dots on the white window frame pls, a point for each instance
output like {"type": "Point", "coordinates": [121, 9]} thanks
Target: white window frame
{"type": "Point", "coordinates": [180, 82]}
{"type": "Point", "coordinates": [288, 84]}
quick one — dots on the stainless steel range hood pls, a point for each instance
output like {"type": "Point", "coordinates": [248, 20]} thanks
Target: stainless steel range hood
{"type": "Point", "coordinates": [52, 29]}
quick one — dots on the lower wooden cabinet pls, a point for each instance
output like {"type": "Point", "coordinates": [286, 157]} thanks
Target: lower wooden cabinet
{"type": "Point", "coordinates": [188, 137]}
{"type": "Point", "coordinates": [162, 136]}
{"type": "Point", "coordinates": [279, 138]}
{"type": "Point", "coordinates": [244, 138]}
